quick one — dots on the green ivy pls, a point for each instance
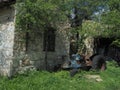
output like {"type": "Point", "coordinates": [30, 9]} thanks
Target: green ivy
{"type": "Point", "coordinates": [116, 43]}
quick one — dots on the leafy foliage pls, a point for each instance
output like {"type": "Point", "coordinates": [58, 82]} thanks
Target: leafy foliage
{"type": "Point", "coordinates": [37, 14]}
{"type": "Point", "coordinates": [34, 14]}
{"type": "Point", "coordinates": [96, 29]}
{"type": "Point", "coordinates": [112, 17]}
{"type": "Point", "coordinates": [91, 28]}
{"type": "Point", "coordinates": [116, 43]}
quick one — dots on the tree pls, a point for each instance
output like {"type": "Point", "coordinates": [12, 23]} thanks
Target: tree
{"type": "Point", "coordinates": [79, 10]}
{"type": "Point", "coordinates": [38, 14]}
{"type": "Point", "coordinates": [112, 18]}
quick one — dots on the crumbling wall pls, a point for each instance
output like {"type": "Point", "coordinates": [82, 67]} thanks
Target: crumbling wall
{"type": "Point", "coordinates": [33, 54]}
{"type": "Point", "coordinates": [89, 46]}
{"type": "Point", "coordinates": [7, 27]}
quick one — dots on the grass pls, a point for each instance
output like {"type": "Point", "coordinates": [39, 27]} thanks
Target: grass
{"type": "Point", "coordinates": [43, 80]}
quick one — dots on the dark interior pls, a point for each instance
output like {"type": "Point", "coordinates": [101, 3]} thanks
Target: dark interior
{"type": "Point", "coordinates": [103, 46]}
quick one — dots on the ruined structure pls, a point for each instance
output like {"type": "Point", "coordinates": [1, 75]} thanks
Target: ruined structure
{"type": "Point", "coordinates": [30, 48]}
{"type": "Point", "coordinates": [20, 50]}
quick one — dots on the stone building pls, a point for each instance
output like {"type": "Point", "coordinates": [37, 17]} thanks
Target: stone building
{"type": "Point", "coordinates": [19, 50]}
{"type": "Point", "coordinates": [7, 27]}
{"type": "Point", "coordinates": [30, 48]}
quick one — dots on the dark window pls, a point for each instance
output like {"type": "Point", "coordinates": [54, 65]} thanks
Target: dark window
{"type": "Point", "coordinates": [49, 39]}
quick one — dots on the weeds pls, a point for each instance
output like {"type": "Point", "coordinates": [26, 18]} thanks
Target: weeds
{"type": "Point", "coordinates": [43, 80]}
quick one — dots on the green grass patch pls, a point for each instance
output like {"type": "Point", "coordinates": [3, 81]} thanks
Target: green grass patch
{"type": "Point", "coordinates": [43, 80]}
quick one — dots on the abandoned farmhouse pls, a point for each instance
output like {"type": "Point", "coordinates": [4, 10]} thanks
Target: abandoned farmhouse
{"type": "Point", "coordinates": [18, 50]}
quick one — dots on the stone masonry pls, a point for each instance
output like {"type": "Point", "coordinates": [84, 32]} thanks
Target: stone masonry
{"type": "Point", "coordinates": [13, 54]}
{"type": "Point", "coordinates": [7, 27]}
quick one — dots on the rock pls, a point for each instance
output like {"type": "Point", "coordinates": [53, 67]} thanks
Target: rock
{"type": "Point", "coordinates": [94, 78]}
{"type": "Point", "coordinates": [22, 70]}
{"type": "Point", "coordinates": [99, 80]}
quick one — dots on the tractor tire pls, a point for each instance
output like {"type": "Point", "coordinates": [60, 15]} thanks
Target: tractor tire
{"type": "Point", "coordinates": [98, 62]}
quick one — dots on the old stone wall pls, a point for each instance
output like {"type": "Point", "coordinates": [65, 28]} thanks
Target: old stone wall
{"type": "Point", "coordinates": [32, 54]}
{"type": "Point", "coordinates": [89, 46]}
{"type": "Point", "coordinates": [7, 27]}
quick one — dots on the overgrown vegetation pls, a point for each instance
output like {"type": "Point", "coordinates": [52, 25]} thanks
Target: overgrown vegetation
{"type": "Point", "coordinates": [40, 14]}
{"type": "Point", "coordinates": [116, 43]}
{"type": "Point", "coordinates": [43, 80]}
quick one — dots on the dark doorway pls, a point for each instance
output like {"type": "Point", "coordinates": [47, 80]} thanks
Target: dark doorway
{"type": "Point", "coordinates": [102, 45]}
{"type": "Point", "coordinates": [49, 39]}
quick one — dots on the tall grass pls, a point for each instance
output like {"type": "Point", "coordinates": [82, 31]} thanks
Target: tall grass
{"type": "Point", "coordinates": [43, 80]}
